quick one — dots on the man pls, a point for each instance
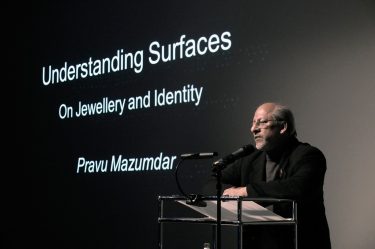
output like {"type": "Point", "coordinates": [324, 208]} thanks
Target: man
{"type": "Point", "coordinates": [281, 167]}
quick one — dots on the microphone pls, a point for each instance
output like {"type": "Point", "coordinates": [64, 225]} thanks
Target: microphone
{"type": "Point", "coordinates": [200, 155]}
{"type": "Point", "coordinates": [241, 152]}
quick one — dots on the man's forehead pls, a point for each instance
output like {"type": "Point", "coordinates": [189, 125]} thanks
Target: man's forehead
{"type": "Point", "coordinates": [263, 112]}
{"type": "Point", "coordinates": [268, 107]}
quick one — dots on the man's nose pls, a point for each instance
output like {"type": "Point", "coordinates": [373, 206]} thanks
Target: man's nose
{"type": "Point", "coordinates": [254, 129]}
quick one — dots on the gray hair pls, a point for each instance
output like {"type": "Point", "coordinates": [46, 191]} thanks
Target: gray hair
{"type": "Point", "coordinates": [283, 113]}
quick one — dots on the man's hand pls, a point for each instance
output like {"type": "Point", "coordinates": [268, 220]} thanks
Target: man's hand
{"type": "Point", "coordinates": [236, 191]}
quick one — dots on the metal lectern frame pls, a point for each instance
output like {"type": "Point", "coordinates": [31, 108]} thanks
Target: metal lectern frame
{"type": "Point", "coordinates": [239, 223]}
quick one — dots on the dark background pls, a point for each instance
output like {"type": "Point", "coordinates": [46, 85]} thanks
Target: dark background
{"type": "Point", "coordinates": [315, 56]}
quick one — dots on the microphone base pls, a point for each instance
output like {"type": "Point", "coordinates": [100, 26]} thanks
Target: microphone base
{"type": "Point", "coordinates": [196, 200]}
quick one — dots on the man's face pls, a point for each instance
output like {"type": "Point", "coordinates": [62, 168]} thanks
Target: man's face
{"type": "Point", "coordinates": [265, 130]}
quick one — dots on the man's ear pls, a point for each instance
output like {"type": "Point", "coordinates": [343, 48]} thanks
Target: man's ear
{"type": "Point", "coordinates": [284, 127]}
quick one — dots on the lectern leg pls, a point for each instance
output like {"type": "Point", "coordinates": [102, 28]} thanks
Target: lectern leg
{"type": "Point", "coordinates": [239, 236]}
{"type": "Point", "coordinates": [214, 246]}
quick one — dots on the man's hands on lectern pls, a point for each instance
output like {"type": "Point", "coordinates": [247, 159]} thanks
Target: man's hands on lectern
{"type": "Point", "coordinates": [235, 191]}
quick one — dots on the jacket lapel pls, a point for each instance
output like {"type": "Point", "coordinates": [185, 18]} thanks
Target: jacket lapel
{"type": "Point", "coordinates": [258, 168]}
{"type": "Point", "coordinates": [284, 162]}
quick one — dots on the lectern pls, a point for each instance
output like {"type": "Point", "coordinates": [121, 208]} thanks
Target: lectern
{"type": "Point", "coordinates": [235, 211]}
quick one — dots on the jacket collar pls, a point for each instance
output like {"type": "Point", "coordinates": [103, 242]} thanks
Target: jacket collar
{"type": "Point", "coordinates": [287, 149]}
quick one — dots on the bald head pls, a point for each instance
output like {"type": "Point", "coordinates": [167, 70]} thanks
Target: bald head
{"type": "Point", "coordinates": [273, 125]}
{"type": "Point", "coordinates": [267, 107]}
{"type": "Point", "coordinates": [279, 112]}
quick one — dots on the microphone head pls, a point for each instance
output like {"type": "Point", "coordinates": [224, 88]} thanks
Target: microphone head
{"type": "Point", "coordinates": [249, 148]}
{"type": "Point", "coordinates": [241, 152]}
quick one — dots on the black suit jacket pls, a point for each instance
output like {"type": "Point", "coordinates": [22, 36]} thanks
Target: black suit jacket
{"type": "Point", "coordinates": [301, 178]}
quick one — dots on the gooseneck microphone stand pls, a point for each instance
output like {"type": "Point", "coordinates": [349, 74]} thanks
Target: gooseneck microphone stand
{"type": "Point", "coordinates": [218, 166]}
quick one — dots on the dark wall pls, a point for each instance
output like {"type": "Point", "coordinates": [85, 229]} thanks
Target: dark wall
{"type": "Point", "coordinates": [315, 56]}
